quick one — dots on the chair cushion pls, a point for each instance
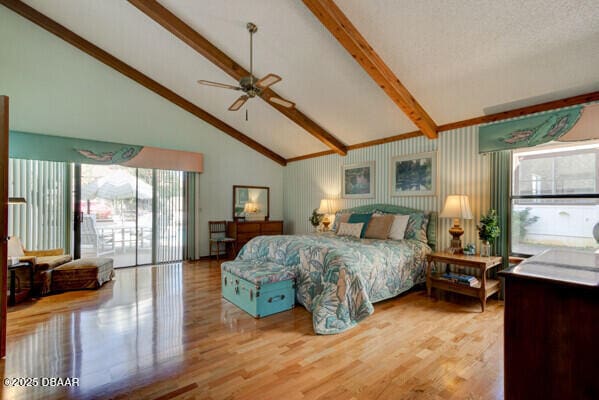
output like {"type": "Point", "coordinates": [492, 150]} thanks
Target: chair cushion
{"type": "Point", "coordinates": [259, 272]}
{"type": "Point", "coordinates": [51, 262]}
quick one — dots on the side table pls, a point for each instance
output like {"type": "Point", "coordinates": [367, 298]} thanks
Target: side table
{"type": "Point", "coordinates": [482, 290]}
{"type": "Point", "coordinates": [12, 269]}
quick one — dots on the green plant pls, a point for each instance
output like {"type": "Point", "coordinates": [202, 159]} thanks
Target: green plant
{"type": "Point", "coordinates": [316, 218]}
{"type": "Point", "coordinates": [522, 220]}
{"type": "Point", "coordinates": [488, 230]}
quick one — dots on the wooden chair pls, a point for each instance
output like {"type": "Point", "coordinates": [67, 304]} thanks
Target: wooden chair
{"type": "Point", "coordinates": [218, 237]}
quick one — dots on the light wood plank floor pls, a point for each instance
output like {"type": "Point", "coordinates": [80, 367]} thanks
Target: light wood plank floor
{"type": "Point", "coordinates": [164, 332]}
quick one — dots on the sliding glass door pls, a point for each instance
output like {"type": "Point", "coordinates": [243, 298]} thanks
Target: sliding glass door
{"type": "Point", "coordinates": [134, 216]}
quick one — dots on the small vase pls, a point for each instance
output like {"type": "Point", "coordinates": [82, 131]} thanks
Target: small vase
{"type": "Point", "coordinates": [485, 249]}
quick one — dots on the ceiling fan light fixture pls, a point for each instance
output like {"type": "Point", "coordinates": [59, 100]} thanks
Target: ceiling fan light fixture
{"type": "Point", "coordinates": [282, 102]}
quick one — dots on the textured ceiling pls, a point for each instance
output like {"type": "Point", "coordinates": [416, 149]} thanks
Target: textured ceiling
{"type": "Point", "coordinates": [458, 58]}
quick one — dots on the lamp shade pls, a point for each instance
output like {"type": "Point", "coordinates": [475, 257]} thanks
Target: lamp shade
{"type": "Point", "coordinates": [456, 206]}
{"type": "Point", "coordinates": [15, 248]}
{"type": "Point", "coordinates": [326, 206]}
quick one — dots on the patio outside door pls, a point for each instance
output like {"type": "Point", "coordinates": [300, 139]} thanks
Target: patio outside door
{"type": "Point", "coordinates": [116, 214]}
{"type": "Point", "coordinates": [132, 215]}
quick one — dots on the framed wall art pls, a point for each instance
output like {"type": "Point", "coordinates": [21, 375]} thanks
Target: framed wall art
{"type": "Point", "coordinates": [358, 180]}
{"type": "Point", "coordinates": [414, 174]}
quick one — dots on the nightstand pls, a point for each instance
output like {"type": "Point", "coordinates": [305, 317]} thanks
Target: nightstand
{"type": "Point", "coordinates": [482, 290]}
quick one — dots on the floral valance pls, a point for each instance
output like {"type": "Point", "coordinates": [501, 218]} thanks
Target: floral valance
{"type": "Point", "coordinates": [33, 146]}
{"type": "Point", "coordinates": [528, 131]}
{"type": "Point", "coordinates": [564, 125]}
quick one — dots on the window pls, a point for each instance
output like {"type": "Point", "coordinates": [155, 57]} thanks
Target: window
{"type": "Point", "coordinates": [555, 198]}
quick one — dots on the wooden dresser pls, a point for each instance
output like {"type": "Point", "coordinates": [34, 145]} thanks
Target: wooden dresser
{"type": "Point", "coordinates": [552, 326]}
{"type": "Point", "coordinates": [243, 232]}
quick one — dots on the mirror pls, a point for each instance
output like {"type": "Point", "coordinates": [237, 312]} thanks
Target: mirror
{"type": "Point", "coordinates": [251, 203]}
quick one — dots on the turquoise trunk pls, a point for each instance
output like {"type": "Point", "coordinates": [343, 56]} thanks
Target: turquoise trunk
{"type": "Point", "coordinates": [258, 300]}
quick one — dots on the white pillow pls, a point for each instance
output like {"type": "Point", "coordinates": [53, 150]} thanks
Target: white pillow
{"type": "Point", "coordinates": [398, 229]}
{"type": "Point", "coordinates": [353, 230]}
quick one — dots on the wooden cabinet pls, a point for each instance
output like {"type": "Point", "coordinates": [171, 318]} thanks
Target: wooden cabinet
{"type": "Point", "coordinates": [243, 232]}
{"type": "Point", "coordinates": [551, 328]}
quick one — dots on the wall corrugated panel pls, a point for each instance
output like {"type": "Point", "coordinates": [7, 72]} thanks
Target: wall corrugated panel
{"type": "Point", "coordinates": [40, 224]}
{"type": "Point", "coordinates": [461, 170]}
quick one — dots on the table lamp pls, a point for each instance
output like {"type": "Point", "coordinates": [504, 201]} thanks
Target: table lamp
{"type": "Point", "coordinates": [14, 250]}
{"type": "Point", "coordinates": [457, 207]}
{"type": "Point", "coordinates": [326, 208]}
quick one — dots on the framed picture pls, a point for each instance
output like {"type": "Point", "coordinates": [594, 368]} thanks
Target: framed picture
{"type": "Point", "coordinates": [414, 175]}
{"type": "Point", "coordinates": [358, 180]}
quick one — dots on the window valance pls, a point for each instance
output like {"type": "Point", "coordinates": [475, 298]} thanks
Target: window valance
{"type": "Point", "coordinates": [33, 146]}
{"type": "Point", "coordinates": [565, 125]}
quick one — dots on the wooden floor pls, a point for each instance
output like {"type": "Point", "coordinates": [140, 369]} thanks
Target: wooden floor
{"type": "Point", "coordinates": [164, 332]}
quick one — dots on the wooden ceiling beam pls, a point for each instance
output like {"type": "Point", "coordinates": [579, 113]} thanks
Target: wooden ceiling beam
{"type": "Point", "coordinates": [350, 38]}
{"type": "Point", "coordinates": [188, 35]}
{"type": "Point", "coordinates": [72, 38]}
{"type": "Point", "coordinates": [485, 119]}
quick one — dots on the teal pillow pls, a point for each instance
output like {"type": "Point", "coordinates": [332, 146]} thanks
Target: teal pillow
{"type": "Point", "coordinates": [357, 218]}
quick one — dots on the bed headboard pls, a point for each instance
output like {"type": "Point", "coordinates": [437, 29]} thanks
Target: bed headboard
{"type": "Point", "coordinates": [431, 229]}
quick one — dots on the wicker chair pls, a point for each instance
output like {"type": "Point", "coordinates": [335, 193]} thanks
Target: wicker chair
{"type": "Point", "coordinates": [219, 240]}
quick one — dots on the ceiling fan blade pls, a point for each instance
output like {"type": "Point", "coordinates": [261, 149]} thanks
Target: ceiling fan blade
{"type": "Point", "coordinates": [282, 102]}
{"type": "Point", "coordinates": [219, 85]}
{"type": "Point", "coordinates": [268, 80]}
{"type": "Point", "coordinates": [238, 103]}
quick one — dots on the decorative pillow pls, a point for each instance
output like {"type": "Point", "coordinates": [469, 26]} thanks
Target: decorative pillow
{"type": "Point", "coordinates": [416, 228]}
{"type": "Point", "coordinates": [363, 218]}
{"type": "Point", "coordinates": [398, 228]}
{"type": "Point", "coordinates": [339, 218]}
{"type": "Point", "coordinates": [379, 226]}
{"type": "Point", "coordinates": [353, 230]}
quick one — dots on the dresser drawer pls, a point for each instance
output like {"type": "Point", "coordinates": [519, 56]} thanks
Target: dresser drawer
{"type": "Point", "coordinates": [245, 237]}
{"type": "Point", "coordinates": [272, 228]}
{"type": "Point", "coordinates": [248, 227]}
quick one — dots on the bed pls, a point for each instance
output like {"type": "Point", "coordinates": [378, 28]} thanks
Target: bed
{"type": "Point", "coordinates": [339, 278]}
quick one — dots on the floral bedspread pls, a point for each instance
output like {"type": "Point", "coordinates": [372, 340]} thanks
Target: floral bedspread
{"type": "Point", "coordinates": [339, 278]}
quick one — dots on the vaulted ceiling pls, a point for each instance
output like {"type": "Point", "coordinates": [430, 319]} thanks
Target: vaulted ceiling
{"type": "Point", "coordinates": [459, 59]}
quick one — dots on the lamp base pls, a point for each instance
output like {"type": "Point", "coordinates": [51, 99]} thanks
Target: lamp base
{"type": "Point", "coordinates": [325, 223]}
{"type": "Point", "coordinates": [456, 247]}
{"type": "Point", "coordinates": [456, 231]}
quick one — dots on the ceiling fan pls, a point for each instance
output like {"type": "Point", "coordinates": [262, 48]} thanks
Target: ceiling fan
{"type": "Point", "coordinates": [251, 86]}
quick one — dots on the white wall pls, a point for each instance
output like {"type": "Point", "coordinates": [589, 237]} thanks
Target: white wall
{"type": "Point", "coordinates": [56, 89]}
{"type": "Point", "coordinates": [461, 170]}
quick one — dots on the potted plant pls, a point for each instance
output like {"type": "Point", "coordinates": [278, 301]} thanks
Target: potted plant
{"type": "Point", "coordinates": [316, 218]}
{"type": "Point", "coordinates": [488, 231]}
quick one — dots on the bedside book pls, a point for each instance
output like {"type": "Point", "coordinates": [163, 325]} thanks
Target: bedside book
{"type": "Point", "coordinates": [459, 278]}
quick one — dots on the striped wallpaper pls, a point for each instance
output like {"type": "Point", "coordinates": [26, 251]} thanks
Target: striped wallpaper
{"type": "Point", "coordinates": [461, 170]}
